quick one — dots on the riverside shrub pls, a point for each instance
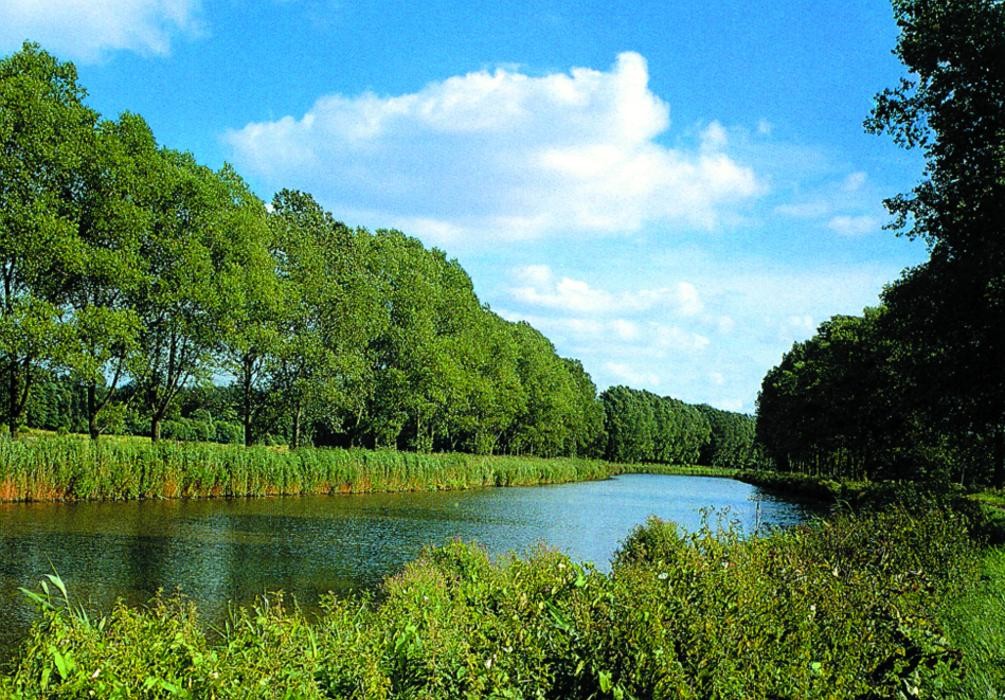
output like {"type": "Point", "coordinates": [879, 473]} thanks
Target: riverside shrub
{"type": "Point", "coordinates": [842, 608]}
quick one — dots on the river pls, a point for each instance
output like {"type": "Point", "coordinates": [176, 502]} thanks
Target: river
{"type": "Point", "coordinates": [223, 550]}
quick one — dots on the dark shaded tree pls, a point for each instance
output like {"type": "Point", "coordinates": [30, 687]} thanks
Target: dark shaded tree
{"type": "Point", "coordinates": [948, 314]}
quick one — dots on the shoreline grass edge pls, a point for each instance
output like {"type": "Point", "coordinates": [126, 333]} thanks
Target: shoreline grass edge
{"type": "Point", "coordinates": [67, 468]}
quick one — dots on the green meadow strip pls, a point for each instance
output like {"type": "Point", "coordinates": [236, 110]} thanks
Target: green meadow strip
{"type": "Point", "coordinates": [70, 469]}
{"type": "Point", "coordinates": [974, 624]}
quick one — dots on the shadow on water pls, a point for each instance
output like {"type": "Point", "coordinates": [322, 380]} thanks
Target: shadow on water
{"type": "Point", "coordinates": [217, 551]}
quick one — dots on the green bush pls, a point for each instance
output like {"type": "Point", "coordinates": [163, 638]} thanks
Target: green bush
{"type": "Point", "coordinates": [229, 433]}
{"type": "Point", "coordinates": [845, 608]}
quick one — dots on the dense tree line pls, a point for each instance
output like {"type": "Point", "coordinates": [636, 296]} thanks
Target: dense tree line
{"type": "Point", "coordinates": [137, 283]}
{"type": "Point", "coordinates": [917, 387]}
{"type": "Point", "coordinates": [644, 427]}
{"type": "Point", "coordinates": [834, 406]}
{"type": "Point", "coordinates": [133, 278]}
{"type": "Point", "coordinates": [732, 441]}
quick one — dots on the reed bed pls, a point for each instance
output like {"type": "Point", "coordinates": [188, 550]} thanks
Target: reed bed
{"type": "Point", "coordinates": [69, 469]}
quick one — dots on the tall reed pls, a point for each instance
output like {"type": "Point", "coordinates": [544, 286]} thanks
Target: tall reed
{"type": "Point", "coordinates": [68, 468]}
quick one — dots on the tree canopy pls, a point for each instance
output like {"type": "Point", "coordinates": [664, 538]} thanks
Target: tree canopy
{"type": "Point", "coordinates": [948, 313]}
{"type": "Point", "coordinates": [916, 389]}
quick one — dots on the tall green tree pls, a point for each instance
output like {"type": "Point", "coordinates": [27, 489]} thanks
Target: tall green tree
{"type": "Point", "coordinates": [111, 210]}
{"type": "Point", "coordinates": [631, 425]}
{"type": "Point", "coordinates": [45, 129]}
{"type": "Point", "coordinates": [187, 292]}
{"type": "Point", "coordinates": [542, 426]}
{"type": "Point", "coordinates": [949, 313]}
{"type": "Point", "coordinates": [587, 436]}
{"type": "Point", "coordinates": [252, 333]}
{"type": "Point", "coordinates": [329, 307]}
{"type": "Point", "coordinates": [495, 395]}
{"type": "Point", "coordinates": [413, 372]}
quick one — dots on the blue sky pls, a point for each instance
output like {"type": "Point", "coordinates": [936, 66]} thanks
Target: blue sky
{"type": "Point", "coordinates": [673, 192]}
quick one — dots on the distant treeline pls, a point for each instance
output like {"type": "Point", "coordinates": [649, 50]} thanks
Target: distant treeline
{"type": "Point", "coordinates": [638, 427]}
{"type": "Point", "coordinates": [644, 427]}
{"type": "Point", "coordinates": [137, 282]}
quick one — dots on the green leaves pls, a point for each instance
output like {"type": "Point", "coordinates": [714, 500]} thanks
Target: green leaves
{"type": "Point", "coordinates": [644, 427]}
{"type": "Point", "coordinates": [157, 274]}
{"type": "Point", "coordinates": [44, 132]}
{"type": "Point", "coordinates": [946, 314]}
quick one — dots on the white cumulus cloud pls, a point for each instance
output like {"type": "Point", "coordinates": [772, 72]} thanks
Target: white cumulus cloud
{"type": "Point", "coordinates": [538, 286]}
{"type": "Point", "coordinates": [85, 30]}
{"type": "Point", "coordinates": [503, 155]}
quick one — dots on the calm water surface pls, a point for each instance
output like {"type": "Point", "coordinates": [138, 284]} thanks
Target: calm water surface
{"type": "Point", "coordinates": [221, 550]}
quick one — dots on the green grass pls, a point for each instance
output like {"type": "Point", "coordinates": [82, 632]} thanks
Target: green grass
{"type": "Point", "coordinates": [806, 486]}
{"type": "Point", "coordinates": [42, 467]}
{"type": "Point", "coordinates": [67, 468]}
{"type": "Point", "coordinates": [677, 470]}
{"type": "Point", "coordinates": [995, 499]}
{"type": "Point", "coordinates": [976, 625]}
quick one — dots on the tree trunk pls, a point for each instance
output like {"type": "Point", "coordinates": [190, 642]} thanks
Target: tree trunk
{"type": "Point", "coordinates": [12, 402]}
{"type": "Point", "coordinates": [92, 411]}
{"type": "Point", "coordinates": [999, 456]}
{"type": "Point", "coordinates": [295, 439]}
{"type": "Point", "coordinates": [246, 381]}
{"type": "Point", "coordinates": [155, 427]}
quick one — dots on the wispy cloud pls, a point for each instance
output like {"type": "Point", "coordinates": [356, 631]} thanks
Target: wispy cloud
{"type": "Point", "coordinates": [853, 226]}
{"type": "Point", "coordinates": [847, 206]}
{"type": "Point", "coordinates": [85, 30]}
{"type": "Point", "coordinates": [538, 286]}
{"type": "Point", "coordinates": [632, 376]}
{"type": "Point", "coordinates": [741, 325]}
{"type": "Point", "coordinates": [503, 155]}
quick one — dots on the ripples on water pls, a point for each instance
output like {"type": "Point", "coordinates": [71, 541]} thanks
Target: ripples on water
{"type": "Point", "coordinates": [217, 551]}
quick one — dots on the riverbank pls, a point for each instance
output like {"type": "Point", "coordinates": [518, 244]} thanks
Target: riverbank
{"type": "Point", "coordinates": [858, 494]}
{"type": "Point", "coordinates": [972, 622]}
{"type": "Point", "coordinates": [804, 486]}
{"type": "Point", "coordinates": [850, 608]}
{"type": "Point", "coordinates": [67, 468]}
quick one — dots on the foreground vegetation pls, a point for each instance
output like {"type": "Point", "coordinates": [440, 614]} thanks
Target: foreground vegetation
{"type": "Point", "coordinates": [850, 607]}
